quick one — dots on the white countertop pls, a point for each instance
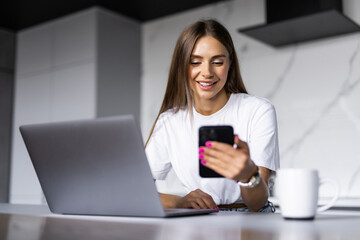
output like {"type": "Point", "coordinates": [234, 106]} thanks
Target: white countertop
{"type": "Point", "coordinates": [333, 224]}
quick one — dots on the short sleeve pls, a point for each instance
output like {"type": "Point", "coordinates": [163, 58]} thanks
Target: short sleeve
{"type": "Point", "coordinates": [263, 139]}
{"type": "Point", "coordinates": [157, 152]}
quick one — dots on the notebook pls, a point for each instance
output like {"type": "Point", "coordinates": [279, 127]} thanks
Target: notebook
{"type": "Point", "coordinates": [96, 167]}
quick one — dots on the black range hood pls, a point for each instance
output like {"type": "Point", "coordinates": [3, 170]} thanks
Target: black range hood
{"type": "Point", "coordinates": [291, 21]}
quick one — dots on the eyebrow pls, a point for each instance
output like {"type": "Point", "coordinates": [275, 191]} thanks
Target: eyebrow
{"type": "Point", "coordinates": [216, 56]}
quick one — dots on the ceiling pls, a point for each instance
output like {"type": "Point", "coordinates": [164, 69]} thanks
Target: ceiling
{"type": "Point", "coordinates": [19, 14]}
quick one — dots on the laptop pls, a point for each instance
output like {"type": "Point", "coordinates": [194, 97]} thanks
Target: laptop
{"type": "Point", "coordinates": [96, 167]}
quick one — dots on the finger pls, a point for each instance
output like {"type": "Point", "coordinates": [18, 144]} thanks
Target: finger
{"type": "Point", "coordinates": [229, 170]}
{"type": "Point", "coordinates": [219, 154]}
{"type": "Point", "coordinates": [220, 146]}
{"type": "Point", "coordinates": [241, 144]}
{"type": "Point", "coordinates": [217, 149]}
{"type": "Point", "coordinates": [198, 197]}
{"type": "Point", "coordinates": [236, 140]}
{"type": "Point", "coordinates": [219, 160]}
{"type": "Point", "coordinates": [200, 201]}
{"type": "Point", "coordinates": [214, 153]}
{"type": "Point", "coordinates": [225, 160]}
{"type": "Point", "coordinates": [194, 205]}
{"type": "Point", "coordinates": [209, 201]}
{"type": "Point", "coordinates": [223, 169]}
{"type": "Point", "coordinates": [228, 164]}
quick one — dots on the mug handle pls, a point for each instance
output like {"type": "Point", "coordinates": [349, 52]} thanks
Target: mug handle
{"type": "Point", "coordinates": [336, 195]}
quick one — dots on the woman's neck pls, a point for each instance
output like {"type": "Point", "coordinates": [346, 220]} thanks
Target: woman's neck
{"type": "Point", "coordinates": [210, 106]}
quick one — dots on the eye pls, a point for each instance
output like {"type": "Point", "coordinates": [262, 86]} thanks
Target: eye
{"type": "Point", "coordinates": [218, 63]}
{"type": "Point", "coordinates": [195, 63]}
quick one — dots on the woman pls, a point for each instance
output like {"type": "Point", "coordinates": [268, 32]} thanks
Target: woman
{"type": "Point", "coordinates": [205, 88]}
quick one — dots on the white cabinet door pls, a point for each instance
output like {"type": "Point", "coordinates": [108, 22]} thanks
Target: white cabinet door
{"type": "Point", "coordinates": [32, 104]}
{"type": "Point", "coordinates": [73, 93]}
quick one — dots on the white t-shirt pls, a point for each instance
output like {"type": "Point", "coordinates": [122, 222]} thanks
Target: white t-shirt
{"type": "Point", "coordinates": [174, 143]}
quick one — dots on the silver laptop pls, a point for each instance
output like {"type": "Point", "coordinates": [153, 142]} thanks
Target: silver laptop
{"type": "Point", "coordinates": [96, 167]}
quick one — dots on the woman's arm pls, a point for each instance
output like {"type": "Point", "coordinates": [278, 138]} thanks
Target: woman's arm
{"type": "Point", "coordinates": [169, 200]}
{"type": "Point", "coordinates": [235, 163]}
{"type": "Point", "coordinates": [255, 198]}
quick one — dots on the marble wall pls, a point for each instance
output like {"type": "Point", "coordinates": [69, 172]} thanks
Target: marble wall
{"type": "Point", "coordinates": [314, 87]}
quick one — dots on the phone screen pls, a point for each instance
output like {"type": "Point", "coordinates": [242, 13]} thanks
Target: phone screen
{"type": "Point", "coordinates": [223, 133]}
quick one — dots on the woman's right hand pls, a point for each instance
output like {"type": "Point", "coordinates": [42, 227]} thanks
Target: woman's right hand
{"type": "Point", "coordinates": [196, 199]}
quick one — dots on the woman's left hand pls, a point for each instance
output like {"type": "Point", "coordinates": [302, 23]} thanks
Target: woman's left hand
{"type": "Point", "coordinates": [233, 163]}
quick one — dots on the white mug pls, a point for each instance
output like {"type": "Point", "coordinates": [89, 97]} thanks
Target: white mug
{"type": "Point", "coordinates": [297, 191]}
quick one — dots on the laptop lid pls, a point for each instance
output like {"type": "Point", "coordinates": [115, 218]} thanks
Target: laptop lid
{"type": "Point", "coordinates": [94, 167]}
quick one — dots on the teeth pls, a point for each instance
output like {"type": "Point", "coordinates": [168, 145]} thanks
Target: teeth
{"type": "Point", "coordinates": [206, 84]}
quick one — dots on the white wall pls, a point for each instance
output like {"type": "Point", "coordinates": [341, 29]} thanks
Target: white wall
{"type": "Point", "coordinates": [314, 87]}
{"type": "Point", "coordinates": [68, 69]}
{"type": "Point", "coordinates": [118, 68]}
{"type": "Point", "coordinates": [55, 80]}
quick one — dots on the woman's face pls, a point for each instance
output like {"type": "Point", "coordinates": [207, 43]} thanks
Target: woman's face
{"type": "Point", "coordinates": [208, 70]}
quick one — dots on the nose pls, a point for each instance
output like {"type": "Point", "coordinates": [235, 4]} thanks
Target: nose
{"type": "Point", "coordinates": [206, 71]}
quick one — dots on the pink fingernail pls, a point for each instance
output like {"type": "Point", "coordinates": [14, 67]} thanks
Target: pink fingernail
{"type": "Point", "coordinates": [201, 150]}
{"type": "Point", "coordinates": [208, 144]}
{"type": "Point", "coordinates": [201, 156]}
{"type": "Point", "coordinates": [203, 162]}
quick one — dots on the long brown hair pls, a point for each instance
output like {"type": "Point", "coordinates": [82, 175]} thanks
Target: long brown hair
{"type": "Point", "coordinates": [178, 94]}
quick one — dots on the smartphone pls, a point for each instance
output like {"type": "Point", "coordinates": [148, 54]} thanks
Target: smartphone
{"type": "Point", "coordinates": [223, 133]}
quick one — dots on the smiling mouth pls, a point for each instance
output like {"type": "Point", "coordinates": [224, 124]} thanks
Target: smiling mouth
{"type": "Point", "coordinates": [206, 84]}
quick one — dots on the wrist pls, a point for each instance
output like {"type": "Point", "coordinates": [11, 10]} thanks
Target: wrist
{"type": "Point", "coordinates": [254, 170]}
{"type": "Point", "coordinates": [177, 202]}
{"type": "Point", "coordinates": [170, 201]}
{"type": "Point", "coordinates": [253, 181]}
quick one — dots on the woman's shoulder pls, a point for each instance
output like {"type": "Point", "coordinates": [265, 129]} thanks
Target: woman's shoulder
{"type": "Point", "coordinates": [251, 101]}
{"type": "Point", "coordinates": [172, 115]}
{"type": "Point", "coordinates": [255, 108]}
